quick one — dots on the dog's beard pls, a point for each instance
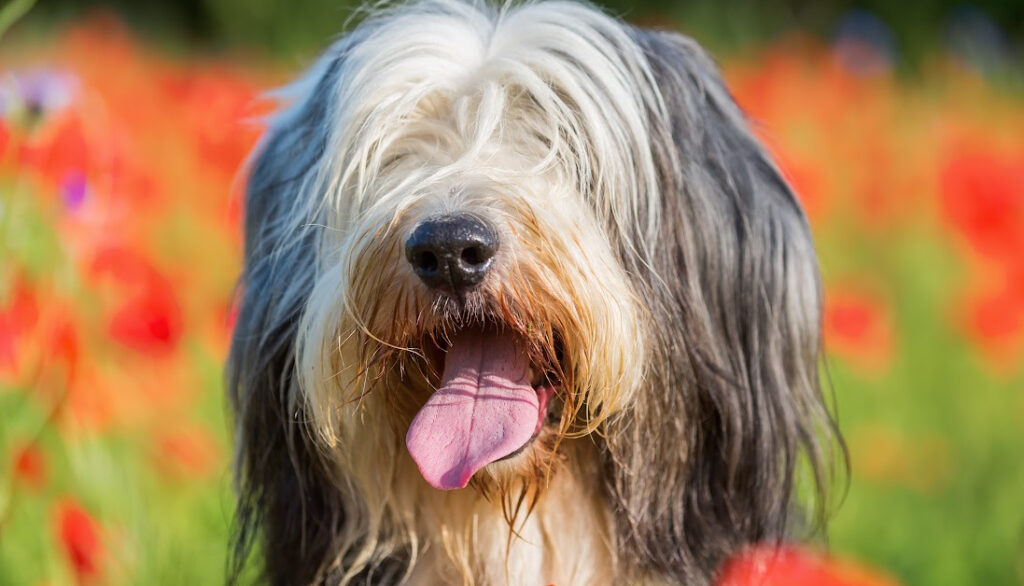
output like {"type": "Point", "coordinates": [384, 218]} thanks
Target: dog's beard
{"type": "Point", "coordinates": [474, 385]}
{"type": "Point", "coordinates": [482, 383]}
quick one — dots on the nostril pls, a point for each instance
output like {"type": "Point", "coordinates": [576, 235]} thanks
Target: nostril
{"type": "Point", "coordinates": [425, 261]}
{"type": "Point", "coordinates": [474, 256]}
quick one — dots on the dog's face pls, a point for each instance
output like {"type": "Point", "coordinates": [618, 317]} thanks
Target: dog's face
{"type": "Point", "coordinates": [487, 316]}
{"type": "Point", "coordinates": [477, 236]}
{"type": "Point", "coordinates": [473, 300]}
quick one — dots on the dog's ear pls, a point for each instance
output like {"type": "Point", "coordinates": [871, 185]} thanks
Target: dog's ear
{"type": "Point", "coordinates": [289, 501]}
{"type": "Point", "coordinates": [705, 461]}
{"type": "Point", "coordinates": [284, 497]}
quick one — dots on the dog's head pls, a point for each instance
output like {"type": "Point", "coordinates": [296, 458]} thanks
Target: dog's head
{"type": "Point", "coordinates": [477, 235]}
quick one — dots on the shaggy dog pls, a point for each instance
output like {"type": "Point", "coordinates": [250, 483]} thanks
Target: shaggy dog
{"type": "Point", "coordinates": [524, 302]}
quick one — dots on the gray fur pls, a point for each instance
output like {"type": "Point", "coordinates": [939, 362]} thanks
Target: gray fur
{"type": "Point", "coordinates": [287, 498]}
{"type": "Point", "coordinates": [705, 462]}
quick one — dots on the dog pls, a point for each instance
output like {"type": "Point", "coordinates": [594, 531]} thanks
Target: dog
{"type": "Point", "coordinates": [524, 301]}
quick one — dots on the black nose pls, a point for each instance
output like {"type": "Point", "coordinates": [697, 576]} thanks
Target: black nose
{"type": "Point", "coordinates": [452, 253]}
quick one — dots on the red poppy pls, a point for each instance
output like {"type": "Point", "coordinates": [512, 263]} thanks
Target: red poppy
{"type": "Point", "coordinates": [62, 348]}
{"type": "Point", "coordinates": [794, 566]}
{"type": "Point", "coordinates": [995, 322]}
{"type": "Point", "coordinates": [17, 317]}
{"type": "Point", "coordinates": [857, 328]}
{"type": "Point", "coordinates": [5, 137]}
{"type": "Point", "coordinates": [80, 539]}
{"type": "Point", "coordinates": [147, 316]}
{"type": "Point", "coordinates": [149, 322]}
{"type": "Point", "coordinates": [997, 317]}
{"type": "Point", "coordinates": [30, 466]}
{"type": "Point", "coordinates": [983, 198]}
{"type": "Point", "coordinates": [59, 150]}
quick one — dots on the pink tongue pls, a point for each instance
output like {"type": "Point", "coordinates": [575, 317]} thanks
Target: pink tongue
{"type": "Point", "coordinates": [484, 410]}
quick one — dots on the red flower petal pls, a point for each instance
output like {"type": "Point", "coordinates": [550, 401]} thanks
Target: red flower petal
{"type": "Point", "coordinates": [147, 317]}
{"type": "Point", "coordinates": [79, 538]}
{"type": "Point", "coordinates": [16, 319]}
{"type": "Point", "coordinates": [62, 151]}
{"type": "Point", "coordinates": [150, 323]}
{"type": "Point", "coordinates": [983, 198]}
{"type": "Point", "coordinates": [63, 345]}
{"type": "Point", "coordinates": [30, 466]}
{"type": "Point", "coordinates": [995, 323]}
{"type": "Point", "coordinates": [793, 566]}
{"type": "Point", "coordinates": [857, 327]}
{"type": "Point", "coordinates": [5, 137]}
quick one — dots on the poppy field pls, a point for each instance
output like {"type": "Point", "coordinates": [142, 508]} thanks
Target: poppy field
{"type": "Point", "coordinates": [120, 246]}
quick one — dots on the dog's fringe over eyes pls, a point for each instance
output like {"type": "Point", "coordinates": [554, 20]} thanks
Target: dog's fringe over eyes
{"type": "Point", "coordinates": [655, 273]}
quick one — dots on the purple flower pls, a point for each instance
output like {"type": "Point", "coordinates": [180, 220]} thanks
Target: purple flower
{"type": "Point", "coordinates": [73, 190]}
{"type": "Point", "coordinates": [36, 92]}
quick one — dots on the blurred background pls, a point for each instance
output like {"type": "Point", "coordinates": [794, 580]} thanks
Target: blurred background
{"type": "Point", "coordinates": [123, 124]}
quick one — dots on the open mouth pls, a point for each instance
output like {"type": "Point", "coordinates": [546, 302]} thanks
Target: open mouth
{"type": "Point", "coordinates": [490, 405]}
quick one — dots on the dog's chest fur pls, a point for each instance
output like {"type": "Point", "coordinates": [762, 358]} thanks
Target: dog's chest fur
{"type": "Point", "coordinates": [566, 540]}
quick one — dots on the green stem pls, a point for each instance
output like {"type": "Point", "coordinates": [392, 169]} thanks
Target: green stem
{"type": "Point", "coordinates": [10, 13]}
{"type": "Point", "coordinates": [7, 504]}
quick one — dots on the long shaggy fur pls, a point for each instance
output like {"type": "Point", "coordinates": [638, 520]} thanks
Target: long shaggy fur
{"type": "Point", "coordinates": [653, 258]}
